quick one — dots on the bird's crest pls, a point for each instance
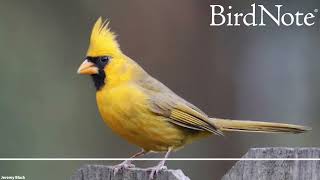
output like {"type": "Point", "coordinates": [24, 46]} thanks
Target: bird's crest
{"type": "Point", "coordinates": [103, 41]}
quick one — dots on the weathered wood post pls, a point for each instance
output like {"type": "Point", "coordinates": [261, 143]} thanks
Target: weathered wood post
{"type": "Point", "coordinates": [280, 169]}
{"type": "Point", "coordinates": [242, 170]}
{"type": "Point", "coordinates": [100, 172]}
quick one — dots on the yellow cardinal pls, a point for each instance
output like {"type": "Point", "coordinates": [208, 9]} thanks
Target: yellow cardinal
{"type": "Point", "coordinates": [144, 111]}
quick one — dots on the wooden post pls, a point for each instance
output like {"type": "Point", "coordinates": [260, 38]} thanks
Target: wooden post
{"type": "Point", "coordinates": [277, 170]}
{"type": "Point", "coordinates": [242, 170]}
{"type": "Point", "coordinates": [101, 172]}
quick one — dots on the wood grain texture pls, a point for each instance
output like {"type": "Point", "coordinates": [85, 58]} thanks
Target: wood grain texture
{"type": "Point", "coordinates": [277, 170]}
{"type": "Point", "coordinates": [101, 172]}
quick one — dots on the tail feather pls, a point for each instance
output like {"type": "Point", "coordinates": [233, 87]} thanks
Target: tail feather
{"type": "Point", "coordinates": [257, 126]}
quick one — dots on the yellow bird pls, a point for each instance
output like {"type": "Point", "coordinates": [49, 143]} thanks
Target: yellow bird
{"type": "Point", "coordinates": [144, 111]}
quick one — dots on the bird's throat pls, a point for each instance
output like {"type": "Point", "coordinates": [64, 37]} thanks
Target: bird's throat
{"type": "Point", "coordinates": [99, 79]}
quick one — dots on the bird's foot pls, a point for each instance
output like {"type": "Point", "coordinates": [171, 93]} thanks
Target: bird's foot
{"type": "Point", "coordinates": [155, 170]}
{"type": "Point", "coordinates": [124, 165]}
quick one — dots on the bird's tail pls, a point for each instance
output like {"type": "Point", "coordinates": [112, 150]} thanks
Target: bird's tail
{"type": "Point", "coordinates": [257, 126]}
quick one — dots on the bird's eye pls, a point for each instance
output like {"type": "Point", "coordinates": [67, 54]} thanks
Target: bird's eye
{"type": "Point", "coordinates": [104, 59]}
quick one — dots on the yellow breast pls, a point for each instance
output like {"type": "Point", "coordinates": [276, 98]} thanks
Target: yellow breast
{"type": "Point", "coordinates": [125, 110]}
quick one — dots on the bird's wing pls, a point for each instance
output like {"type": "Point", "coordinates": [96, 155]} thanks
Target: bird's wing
{"type": "Point", "coordinates": [166, 103]}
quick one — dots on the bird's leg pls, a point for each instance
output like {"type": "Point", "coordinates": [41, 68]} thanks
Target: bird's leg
{"type": "Point", "coordinates": [155, 170]}
{"type": "Point", "coordinates": [128, 163]}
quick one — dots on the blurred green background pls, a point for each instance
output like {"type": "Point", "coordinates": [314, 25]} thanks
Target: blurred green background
{"type": "Point", "coordinates": [47, 110]}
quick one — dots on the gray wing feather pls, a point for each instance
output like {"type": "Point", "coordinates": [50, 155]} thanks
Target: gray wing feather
{"type": "Point", "coordinates": [165, 102]}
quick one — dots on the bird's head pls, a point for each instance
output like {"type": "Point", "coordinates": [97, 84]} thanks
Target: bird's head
{"type": "Point", "coordinates": [103, 48]}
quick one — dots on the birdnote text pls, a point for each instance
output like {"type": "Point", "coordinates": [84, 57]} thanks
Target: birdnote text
{"type": "Point", "coordinates": [277, 15]}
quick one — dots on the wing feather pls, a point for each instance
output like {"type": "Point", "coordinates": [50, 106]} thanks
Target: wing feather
{"type": "Point", "coordinates": [164, 102]}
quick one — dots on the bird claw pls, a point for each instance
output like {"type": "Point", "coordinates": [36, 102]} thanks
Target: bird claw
{"type": "Point", "coordinates": [156, 170]}
{"type": "Point", "coordinates": [124, 165]}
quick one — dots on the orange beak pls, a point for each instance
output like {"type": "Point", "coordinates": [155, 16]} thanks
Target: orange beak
{"type": "Point", "coordinates": [88, 68]}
